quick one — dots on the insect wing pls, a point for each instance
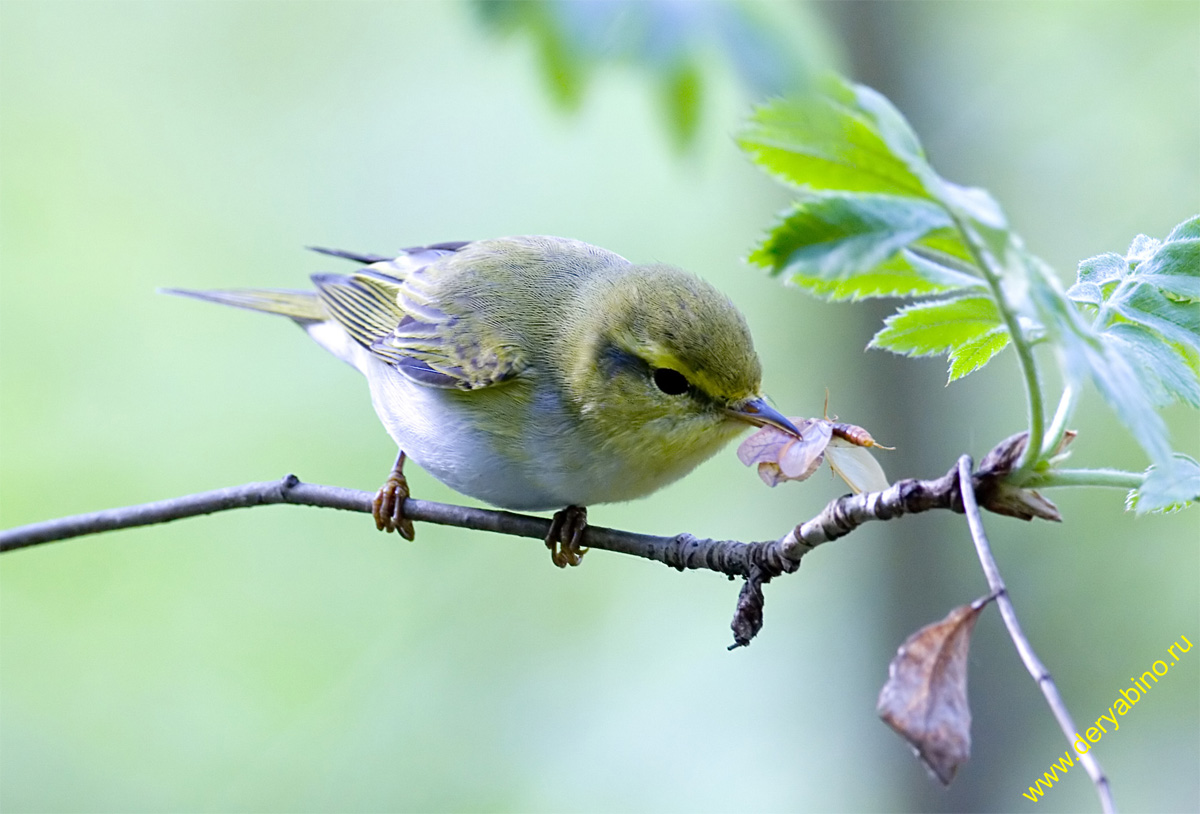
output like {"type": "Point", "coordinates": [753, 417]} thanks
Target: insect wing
{"type": "Point", "coordinates": [856, 466]}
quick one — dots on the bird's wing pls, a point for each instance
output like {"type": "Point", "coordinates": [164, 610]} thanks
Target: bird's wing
{"type": "Point", "coordinates": [391, 308]}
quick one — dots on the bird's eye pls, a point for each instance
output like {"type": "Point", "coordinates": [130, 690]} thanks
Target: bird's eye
{"type": "Point", "coordinates": [671, 382]}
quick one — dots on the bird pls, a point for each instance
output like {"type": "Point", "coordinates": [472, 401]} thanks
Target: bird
{"type": "Point", "coordinates": [534, 373]}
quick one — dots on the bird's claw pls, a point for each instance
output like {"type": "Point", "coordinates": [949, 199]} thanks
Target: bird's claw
{"type": "Point", "coordinates": [388, 507]}
{"type": "Point", "coordinates": [565, 535]}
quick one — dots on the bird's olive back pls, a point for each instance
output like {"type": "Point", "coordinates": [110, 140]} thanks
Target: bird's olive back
{"type": "Point", "coordinates": [582, 314]}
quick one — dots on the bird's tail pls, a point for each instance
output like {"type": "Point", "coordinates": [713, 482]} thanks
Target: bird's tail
{"type": "Point", "coordinates": [302, 306]}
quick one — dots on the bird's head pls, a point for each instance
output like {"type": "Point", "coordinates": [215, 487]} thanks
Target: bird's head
{"type": "Point", "coordinates": [663, 367]}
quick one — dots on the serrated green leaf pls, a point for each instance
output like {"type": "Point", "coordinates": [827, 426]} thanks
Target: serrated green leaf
{"type": "Point", "coordinates": [1087, 357]}
{"type": "Point", "coordinates": [824, 141]}
{"type": "Point", "coordinates": [950, 242]}
{"type": "Point", "coordinates": [1190, 228]}
{"type": "Point", "coordinates": [971, 356]}
{"type": "Point", "coordinates": [1174, 268]}
{"type": "Point", "coordinates": [931, 328]}
{"type": "Point", "coordinates": [1086, 292]}
{"type": "Point", "coordinates": [1142, 247]}
{"type": "Point", "coordinates": [939, 268]}
{"type": "Point", "coordinates": [975, 203]}
{"type": "Point", "coordinates": [1167, 489]}
{"type": "Point", "coordinates": [834, 235]}
{"type": "Point", "coordinates": [904, 275]}
{"type": "Point", "coordinates": [1164, 372]}
{"type": "Point", "coordinates": [891, 125]}
{"type": "Point", "coordinates": [1105, 268]}
{"type": "Point", "coordinates": [1145, 304]}
{"type": "Point", "coordinates": [1045, 304]}
{"type": "Point", "coordinates": [1119, 385]}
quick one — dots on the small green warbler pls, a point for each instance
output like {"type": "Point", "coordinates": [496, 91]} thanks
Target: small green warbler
{"type": "Point", "coordinates": [534, 373]}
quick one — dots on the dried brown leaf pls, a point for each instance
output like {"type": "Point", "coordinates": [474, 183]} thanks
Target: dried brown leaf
{"type": "Point", "coordinates": [925, 697]}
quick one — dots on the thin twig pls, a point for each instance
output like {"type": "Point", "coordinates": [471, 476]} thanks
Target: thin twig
{"type": "Point", "coordinates": [682, 551]}
{"type": "Point", "coordinates": [756, 562]}
{"type": "Point", "coordinates": [1032, 663]}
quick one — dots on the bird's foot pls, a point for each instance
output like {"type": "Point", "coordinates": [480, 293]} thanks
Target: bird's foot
{"type": "Point", "coordinates": [566, 532]}
{"type": "Point", "coordinates": [388, 506]}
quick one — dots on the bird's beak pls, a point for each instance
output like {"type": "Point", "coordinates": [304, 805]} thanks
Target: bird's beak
{"type": "Point", "coordinates": [761, 414]}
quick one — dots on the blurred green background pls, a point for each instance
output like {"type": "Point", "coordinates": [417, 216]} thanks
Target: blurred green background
{"type": "Point", "coordinates": [293, 659]}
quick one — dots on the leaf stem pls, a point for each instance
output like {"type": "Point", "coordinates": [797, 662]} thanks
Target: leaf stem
{"type": "Point", "coordinates": [1112, 478]}
{"type": "Point", "coordinates": [1058, 426]}
{"type": "Point", "coordinates": [1033, 387]}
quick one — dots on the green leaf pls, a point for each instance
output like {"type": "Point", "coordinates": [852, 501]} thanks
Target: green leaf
{"type": "Point", "coordinates": [1174, 268]}
{"type": "Point", "coordinates": [1140, 249]}
{"type": "Point", "coordinates": [932, 328]}
{"type": "Point", "coordinates": [905, 275]}
{"type": "Point", "coordinates": [969, 357]}
{"type": "Point", "coordinates": [1089, 293]}
{"type": "Point", "coordinates": [1120, 386]}
{"type": "Point", "coordinates": [1163, 370]}
{"type": "Point", "coordinates": [1111, 371]}
{"type": "Point", "coordinates": [976, 204]}
{"type": "Point", "coordinates": [1143, 363]}
{"type": "Point", "coordinates": [891, 125]}
{"type": "Point", "coordinates": [1094, 274]}
{"type": "Point", "coordinates": [826, 140]}
{"type": "Point", "coordinates": [1167, 489]}
{"type": "Point", "coordinates": [1188, 229]}
{"type": "Point", "coordinates": [1145, 304]}
{"type": "Point", "coordinates": [852, 245]}
{"type": "Point", "coordinates": [834, 235]}
{"type": "Point", "coordinates": [939, 268]}
{"type": "Point", "coordinates": [1105, 268]}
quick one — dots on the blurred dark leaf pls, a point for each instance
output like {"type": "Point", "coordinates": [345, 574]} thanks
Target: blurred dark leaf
{"type": "Point", "coordinates": [670, 41]}
{"type": "Point", "coordinates": [925, 697]}
{"type": "Point", "coordinates": [682, 92]}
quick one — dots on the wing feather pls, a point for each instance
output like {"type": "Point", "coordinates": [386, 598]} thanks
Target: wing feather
{"type": "Point", "coordinates": [391, 308]}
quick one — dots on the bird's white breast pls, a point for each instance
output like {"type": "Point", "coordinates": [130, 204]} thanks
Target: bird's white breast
{"type": "Point", "coordinates": [428, 424]}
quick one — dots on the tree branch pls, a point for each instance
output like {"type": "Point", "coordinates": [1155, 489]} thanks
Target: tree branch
{"type": "Point", "coordinates": [959, 490]}
{"type": "Point", "coordinates": [757, 562]}
{"type": "Point", "coordinates": [682, 551]}
{"type": "Point", "coordinates": [1032, 663]}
